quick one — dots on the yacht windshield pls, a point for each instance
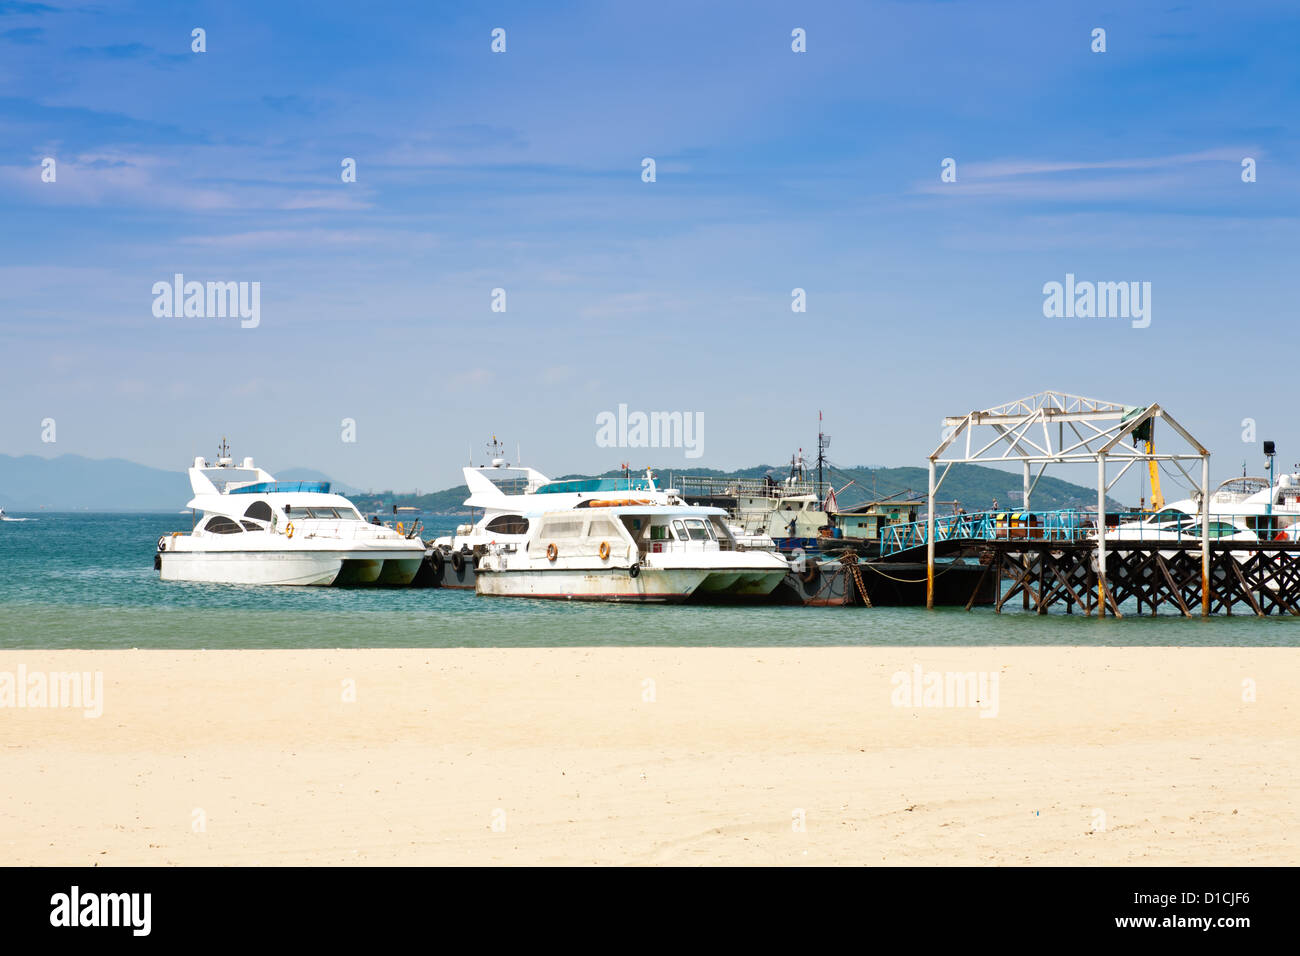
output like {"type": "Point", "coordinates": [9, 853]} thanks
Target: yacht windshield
{"type": "Point", "coordinates": [699, 531]}
{"type": "Point", "coordinates": [332, 514]}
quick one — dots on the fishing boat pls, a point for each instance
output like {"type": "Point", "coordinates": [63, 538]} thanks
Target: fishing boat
{"type": "Point", "coordinates": [251, 529]}
{"type": "Point", "coordinates": [791, 511]}
{"type": "Point", "coordinates": [788, 512]}
{"type": "Point", "coordinates": [629, 549]}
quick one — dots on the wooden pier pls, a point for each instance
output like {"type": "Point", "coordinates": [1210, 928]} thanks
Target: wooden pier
{"type": "Point", "coordinates": [1254, 578]}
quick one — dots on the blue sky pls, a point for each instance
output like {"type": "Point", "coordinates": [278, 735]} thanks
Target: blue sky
{"type": "Point", "coordinates": [522, 170]}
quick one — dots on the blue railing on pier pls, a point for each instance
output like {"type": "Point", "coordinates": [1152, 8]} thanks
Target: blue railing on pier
{"type": "Point", "coordinates": [990, 526]}
{"type": "Point", "coordinates": [1176, 528]}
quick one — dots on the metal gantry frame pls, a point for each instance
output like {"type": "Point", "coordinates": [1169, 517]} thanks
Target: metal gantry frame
{"type": "Point", "coordinates": [1058, 428]}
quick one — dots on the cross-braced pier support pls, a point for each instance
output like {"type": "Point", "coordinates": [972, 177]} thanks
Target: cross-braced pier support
{"type": "Point", "coordinates": [1258, 578]}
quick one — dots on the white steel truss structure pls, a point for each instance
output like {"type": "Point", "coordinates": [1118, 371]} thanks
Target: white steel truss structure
{"type": "Point", "coordinates": [1058, 428]}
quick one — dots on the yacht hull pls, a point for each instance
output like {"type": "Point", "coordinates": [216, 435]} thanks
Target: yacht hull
{"type": "Point", "coordinates": [289, 568]}
{"type": "Point", "coordinates": [357, 571]}
{"type": "Point", "coordinates": [399, 572]}
{"type": "Point", "coordinates": [652, 585]}
{"type": "Point", "coordinates": [273, 568]}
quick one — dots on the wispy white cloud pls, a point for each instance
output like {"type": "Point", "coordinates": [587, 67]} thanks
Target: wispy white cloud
{"type": "Point", "coordinates": [1081, 180]}
{"type": "Point", "coordinates": [185, 179]}
{"type": "Point", "coordinates": [284, 238]}
{"type": "Point", "coordinates": [1002, 168]}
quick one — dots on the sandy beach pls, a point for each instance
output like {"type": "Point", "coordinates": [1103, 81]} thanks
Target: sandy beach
{"type": "Point", "coordinates": [657, 756]}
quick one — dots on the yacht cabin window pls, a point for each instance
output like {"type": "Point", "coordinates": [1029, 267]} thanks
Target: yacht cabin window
{"type": "Point", "coordinates": [603, 528]}
{"type": "Point", "coordinates": [320, 512]}
{"type": "Point", "coordinates": [259, 510]}
{"type": "Point", "coordinates": [219, 524]}
{"type": "Point", "coordinates": [507, 524]}
{"type": "Point", "coordinates": [563, 527]}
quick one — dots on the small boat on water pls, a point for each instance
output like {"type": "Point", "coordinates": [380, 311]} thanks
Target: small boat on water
{"type": "Point", "coordinates": [629, 550]}
{"type": "Point", "coordinates": [251, 529]}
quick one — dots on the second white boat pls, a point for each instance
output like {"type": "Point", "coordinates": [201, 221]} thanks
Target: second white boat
{"type": "Point", "coordinates": [629, 550]}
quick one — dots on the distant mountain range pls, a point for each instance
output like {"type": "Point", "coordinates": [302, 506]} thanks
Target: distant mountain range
{"type": "Point", "coordinates": [74, 483]}
{"type": "Point", "coordinates": [974, 486]}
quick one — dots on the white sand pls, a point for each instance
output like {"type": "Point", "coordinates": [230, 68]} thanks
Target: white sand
{"type": "Point", "coordinates": [1096, 756]}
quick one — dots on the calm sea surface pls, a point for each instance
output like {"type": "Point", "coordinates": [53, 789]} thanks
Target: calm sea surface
{"type": "Point", "coordinates": [87, 580]}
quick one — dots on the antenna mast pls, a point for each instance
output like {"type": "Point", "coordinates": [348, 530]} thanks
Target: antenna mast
{"type": "Point", "coordinates": [823, 442]}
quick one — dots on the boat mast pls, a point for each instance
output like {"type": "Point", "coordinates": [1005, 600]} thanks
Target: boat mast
{"type": "Point", "coordinates": [823, 442]}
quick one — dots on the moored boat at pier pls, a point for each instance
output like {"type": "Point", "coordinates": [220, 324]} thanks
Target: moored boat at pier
{"type": "Point", "coordinates": [622, 550]}
{"type": "Point", "coordinates": [506, 494]}
{"type": "Point", "coordinates": [251, 529]}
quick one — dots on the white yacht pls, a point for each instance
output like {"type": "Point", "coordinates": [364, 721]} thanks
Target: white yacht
{"type": "Point", "coordinates": [251, 529]}
{"type": "Point", "coordinates": [1241, 509]}
{"type": "Point", "coordinates": [507, 494]}
{"type": "Point", "coordinates": [621, 550]}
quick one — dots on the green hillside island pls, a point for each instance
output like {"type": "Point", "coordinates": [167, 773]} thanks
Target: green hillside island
{"type": "Point", "coordinates": [974, 486]}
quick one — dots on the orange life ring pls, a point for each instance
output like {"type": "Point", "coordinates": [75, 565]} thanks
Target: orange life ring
{"type": "Point", "coordinates": [604, 550]}
{"type": "Point", "coordinates": [288, 530]}
{"type": "Point", "coordinates": [400, 528]}
{"type": "Point", "coordinates": [552, 552]}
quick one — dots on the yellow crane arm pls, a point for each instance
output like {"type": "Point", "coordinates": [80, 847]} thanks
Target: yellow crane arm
{"type": "Point", "coordinates": [1157, 499]}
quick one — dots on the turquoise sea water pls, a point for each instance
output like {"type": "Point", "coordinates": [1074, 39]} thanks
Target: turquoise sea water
{"type": "Point", "coordinates": [87, 580]}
